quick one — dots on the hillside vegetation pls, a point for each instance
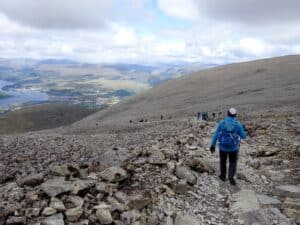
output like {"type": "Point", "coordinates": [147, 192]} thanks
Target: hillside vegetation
{"type": "Point", "coordinates": [44, 116]}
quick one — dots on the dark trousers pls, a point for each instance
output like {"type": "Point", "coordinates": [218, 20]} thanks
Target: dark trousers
{"type": "Point", "coordinates": [233, 157]}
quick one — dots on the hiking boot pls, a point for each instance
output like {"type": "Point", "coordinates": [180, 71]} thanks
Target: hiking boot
{"type": "Point", "coordinates": [222, 178]}
{"type": "Point", "coordinates": [232, 182]}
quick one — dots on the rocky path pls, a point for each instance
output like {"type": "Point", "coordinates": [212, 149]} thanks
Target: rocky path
{"type": "Point", "coordinates": [163, 175]}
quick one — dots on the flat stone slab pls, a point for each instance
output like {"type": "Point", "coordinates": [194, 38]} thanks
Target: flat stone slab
{"type": "Point", "coordinates": [57, 219]}
{"type": "Point", "coordinates": [244, 201]}
{"type": "Point", "coordinates": [257, 217]}
{"type": "Point", "coordinates": [292, 203]}
{"type": "Point", "coordinates": [186, 220]}
{"type": "Point", "coordinates": [293, 213]}
{"type": "Point", "coordinates": [56, 186]}
{"type": "Point", "coordinates": [266, 200]}
{"type": "Point", "coordinates": [59, 185]}
{"type": "Point", "coordinates": [287, 191]}
{"type": "Point", "coordinates": [274, 214]}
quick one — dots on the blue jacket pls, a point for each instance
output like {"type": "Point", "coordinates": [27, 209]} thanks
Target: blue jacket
{"type": "Point", "coordinates": [238, 129]}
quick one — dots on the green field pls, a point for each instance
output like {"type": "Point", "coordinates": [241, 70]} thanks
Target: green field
{"type": "Point", "coordinates": [44, 116]}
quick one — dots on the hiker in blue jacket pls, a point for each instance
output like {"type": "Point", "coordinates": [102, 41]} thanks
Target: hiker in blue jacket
{"type": "Point", "coordinates": [228, 134]}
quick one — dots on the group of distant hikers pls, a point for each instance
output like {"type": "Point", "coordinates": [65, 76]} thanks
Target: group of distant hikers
{"type": "Point", "coordinates": [199, 116]}
{"type": "Point", "coordinates": [142, 120]}
{"type": "Point", "coordinates": [204, 115]}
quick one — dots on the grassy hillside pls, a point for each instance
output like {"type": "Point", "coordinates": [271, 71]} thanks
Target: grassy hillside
{"type": "Point", "coordinates": [262, 85]}
{"type": "Point", "coordinates": [40, 117]}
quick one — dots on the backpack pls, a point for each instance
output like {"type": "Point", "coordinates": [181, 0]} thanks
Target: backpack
{"type": "Point", "coordinates": [228, 136]}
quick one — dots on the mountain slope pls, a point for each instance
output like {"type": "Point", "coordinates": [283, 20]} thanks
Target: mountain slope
{"type": "Point", "coordinates": [251, 86]}
{"type": "Point", "coordinates": [161, 171]}
{"type": "Point", "coordinates": [42, 116]}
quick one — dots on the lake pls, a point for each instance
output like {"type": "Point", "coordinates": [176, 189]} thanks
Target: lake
{"type": "Point", "coordinates": [20, 97]}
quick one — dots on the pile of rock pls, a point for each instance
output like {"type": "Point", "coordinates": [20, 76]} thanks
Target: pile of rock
{"type": "Point", "coordinates": [280, 208]}
{"type": "Point", "coordinates": [290, 195]}
{"type": "Point", "coordinates": [127, 193]}
{"type": "Point", "coordinates": [66, 199]}
{"type": "Point", "coordinates": [144, 178]}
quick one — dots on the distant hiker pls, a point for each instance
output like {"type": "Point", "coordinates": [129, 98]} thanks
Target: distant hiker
{"type": "Point", "coordinates": [214, 115]}
{"type": "Point", "coordinates": [205, 116]}
{"type": "Point", "coordinates": [199, 116]}
{"type": "Point", "coordinates": [228, 134]}
{"type": "Point", "coordinates": [161, 117]}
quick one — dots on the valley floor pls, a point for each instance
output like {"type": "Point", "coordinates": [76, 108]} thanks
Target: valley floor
{"type": "Point", "coordinates": [158, 172]}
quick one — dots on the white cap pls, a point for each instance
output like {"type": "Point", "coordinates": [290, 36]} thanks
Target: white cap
{"type": "Point", "coordinates": [232, 111]}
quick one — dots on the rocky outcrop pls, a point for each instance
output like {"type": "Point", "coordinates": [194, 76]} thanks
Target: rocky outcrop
{"type": "Point", "coordinates": [57, 219]}
{"type": "Point", "coordinates": [32, 180]}
{"type": "Point", "coordinates": [265, 200]}
{"type": "Point", "coordinates": [56, 186]}
{"type": "Point", "coordinates": [186, 219]}
{"type": "Point", "coordinates": [200, 165]}
{"type": "Point", "coordinates": [114, 174]}
{"type": "Point", "coordinates": [244, 201]}
{"type": "Point", "coordinates": [186, 174]}
{"type": "Point", "coordinates": [104, 216]}
{"type": "Point", "coordinates": [287, 191]}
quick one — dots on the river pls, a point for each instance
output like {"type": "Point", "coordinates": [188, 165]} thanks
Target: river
{"type": "Point", "coordinates": [20, 96]}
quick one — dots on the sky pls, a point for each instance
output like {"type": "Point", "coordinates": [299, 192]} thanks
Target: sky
{"type": "Point", "coordinates": [149, 31]}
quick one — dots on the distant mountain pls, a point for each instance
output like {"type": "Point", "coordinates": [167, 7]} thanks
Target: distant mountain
{"type": "Point", "coordinates": [17, 63]}
{"type": "Point", "coordinates": [131, 67]}
{"type": "Point", "coordinates": [57, 61]}
{"type": "Point", "coordinates": [154, 68]}
{"type": "Point", "coordinates": [160, 68]}
{"type": "Point", "coordinates": [87, 83]}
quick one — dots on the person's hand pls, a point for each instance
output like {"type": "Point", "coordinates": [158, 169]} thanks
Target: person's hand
{"type": "Point", "coordinates": [212, 149]}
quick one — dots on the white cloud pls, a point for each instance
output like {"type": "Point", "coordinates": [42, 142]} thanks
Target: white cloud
{"type": "Point", "coordinates": [245, 12]}
{"type": "Point", "coordinates": [252, 11]}
{"type": "Point", "coordinates": [182, 9]}
{"type": "Point", "coordinates": [73, 14]}
{"type": "Point", "coordinates": [124, 36]}
{"type": "Point", "coordinates": [9, 27]}
{"type": "Point", "coordinates": [295, 49]}
{"type": "Point", "coordinates": [57, 13]}
{"type": "Point", "coordinates": [254, 47]}
{"type": "Point", "coordinates": [170, 47]}
{"type": "Point", "coordinates": [129, 37]}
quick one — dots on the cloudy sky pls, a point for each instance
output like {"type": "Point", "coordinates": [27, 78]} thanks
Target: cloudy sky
{"type": "Point", "coordinates": [144, 31]}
